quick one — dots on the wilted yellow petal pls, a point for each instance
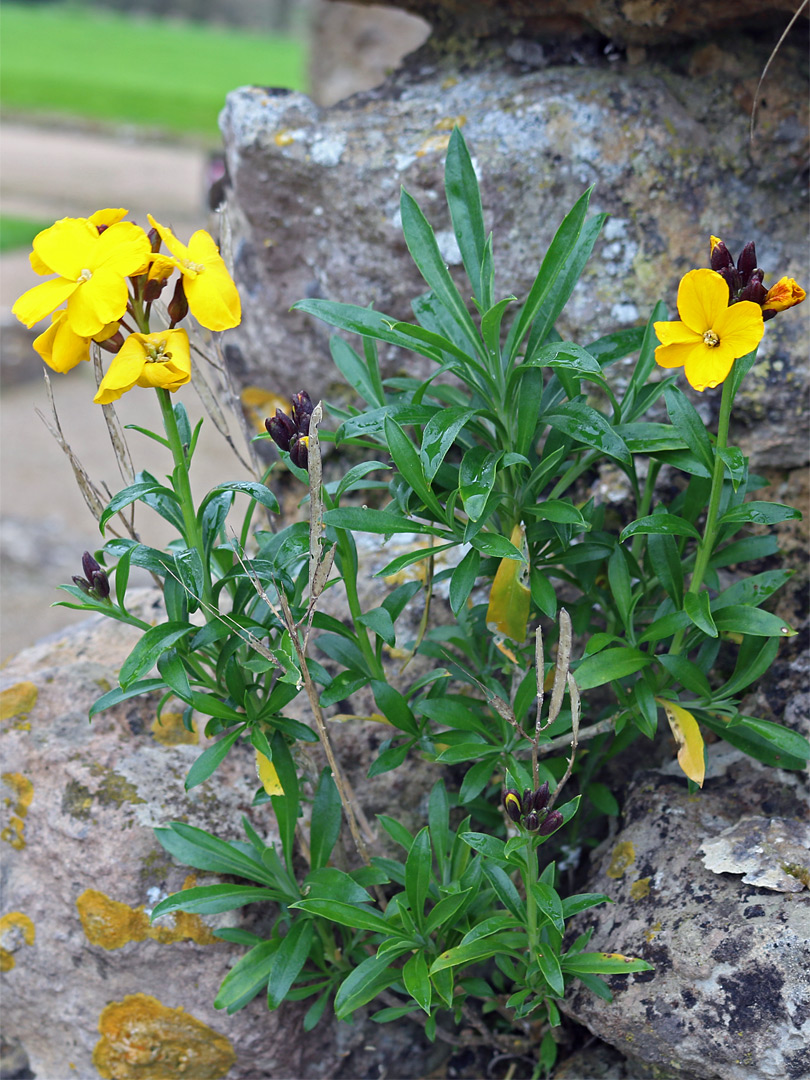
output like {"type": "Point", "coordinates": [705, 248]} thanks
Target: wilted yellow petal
{"type": "Point", "coordinates": [689, 740]}
{"type": "Point", "coordinates": [509, 597]}
{"type": "Point", "coordinates": [268, 775]}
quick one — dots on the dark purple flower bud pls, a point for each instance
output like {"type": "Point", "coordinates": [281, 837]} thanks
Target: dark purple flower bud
{"type": "Point", "coordinates": [746, 264]}
{"type": "Point", "coordinates": [732, 279]}
{"type": "Point", "coordinates": [511, 804]}
{"type": "Point", "coordinates": [754, 290]}
{"type": "Point", "coordinates": [541, 797]}
{"type": "Point", "coordinates": [281, 429]}
{"type": "Point", "coordinates": [89, 565]}
{"type": "Point", "coordinates": [101, 584]}
{"type": "Point", "coordinates": [532, 821]}
{"type": "Point", "coordinates": [82, 584]}
{"type": "Point", "coordinates": [767, 313]}
{"type": "Point", "coordinates": [551, 824]}
{"type": "Point", "coordinates": [721, 257]}
{"type": "Point", "coordinates": [527, 802]}
{"type": "Point", "coordinates": [178, 305]}
{"type": "Point", "coordinates": [153, 236]}
{"type": "Point", "coordinates": [112, 344]}
{"type": "Point", "coordinates": [301, 411]}
{"type": "Point", "coordinates": [299, 452]}
{"type": "Point", "coordinates": [153, 288]}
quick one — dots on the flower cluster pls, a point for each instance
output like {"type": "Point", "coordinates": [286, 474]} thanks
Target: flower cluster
{"type": "Point", "coordinates": [95, 582]}
{"type": "Point", "coordinates": [529, 810]}
{"type": "Point", "coordinates": [291, 433]}
{"type": "Point", "coordinates": [723, 312]}
{"type": "Point", "coordinates": [108, 273]}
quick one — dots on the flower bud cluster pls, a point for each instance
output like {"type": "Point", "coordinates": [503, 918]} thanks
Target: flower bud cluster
{"type": "Point", "coordinates": [291, 433]}
{"type": "Point", "coordinates": [529, 810]}
{"type": "Point", "coordinates": [745, 280]}
{"type": "Point", "coordinates": [95, 581]}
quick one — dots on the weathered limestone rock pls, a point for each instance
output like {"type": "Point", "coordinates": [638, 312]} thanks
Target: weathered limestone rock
{"type": "Point", "coordinates": [82, 869]}
{"type": "Point", "coordinates": [313, 207]}
{"type": "Point", "coordinates": [728, 996]}
{"type": "Point", "coordinates": [638, 22]}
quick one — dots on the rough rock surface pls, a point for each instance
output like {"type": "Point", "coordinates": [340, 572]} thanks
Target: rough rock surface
{"type": "Point", "coordinates": [640, 22]}
{"type": "Point", "coordinates": [79, 803]}
{"type": "Point", "coordinates": [730, 991]}
{"type": "Point", "coordinates": [313, 206]}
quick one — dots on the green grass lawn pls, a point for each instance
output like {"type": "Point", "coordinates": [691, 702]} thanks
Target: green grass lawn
{"type": "Point", "coordinates": [75, 61]}
{"type": "Point", "coordinates": [19, 232]}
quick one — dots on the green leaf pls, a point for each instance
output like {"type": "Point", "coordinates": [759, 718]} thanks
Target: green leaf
{"type": "Point", "coordinates": [197, 848]}
{"type": "Point", "coordinates": [407, 460]}
{"type": "Point", "coordinates": [662, 524]}
{"type": "Point", "coordinates": [735, 463]}
{"type": "Point", "coordinates": [466, 212]}
{"type": "Point", "coordinates": [603, 799]}
{"type": "Point", "coordinates": [365, 381]}
{"type": "Point", "coordinates": [549, 964]}
{"type": "Point", "coordinates": [495, 546]}
{"type": "Point", "coordinates": [416, 980]}
{"type": "Point", "coordinates": [754, 658]}
{"type": "Point", "coordinates": [263, 495]}
{"type": "Point", "coordinates": [357, 519]}
{"type": "Point", "coordinates": [684, 416]}
{"type": "Point", "coordinates": [211, 758]}
{"type": "Point", "coordinates": [487, 845]}
{"type": "Point", "coordinates": [510, 942]}
{"type": "Point", "coordinates": [463, 580]}
{"type": "Point", "coordinates": [368, 979]}
{"type": "Point", "coordinates": [329, 883]}
{"type": "Point", "coordinates": [688, 674]}
{"type": "Point", "coordinates": [379, 620]}
{"type": "Point", "coordinates": [760, 513]}
{"type": "Point", "coordinates": [665, 559]}
{"type": "Point", "coordinates": [608, 665]}
{"type": "Point", "coordinates": [749, 620]}
{"type": "Point", "coordinates": [212, 899]}
{"type": "Point", "coordinates": [568, 357]}
{"type": "Point", "coordinates": [585, 425]}
{"type": "Point", "coordinates": [360, 918]}
{"type": "Point", "coordinates": [443, 912]}
{"type": "Point", "coordinates": [646, 438]}
{"type": "Point", "coordinates": [633, 404]}
{"type": "Point", "coordinates": [505, 890]}
{"type": "Point", "coordinates": [696, 606]}
{"type": "Point", "coordinates": [364, 321]}
{"type": "Point", "coordinates": [753, 590]}
{"type": "Point", "coordinates": [620, 585]}
{"type": "Point", "coordinates": [394, 707]}
{"type": "Point", "coordinates": [429, 260]}
{"type": "Point", "coordinates": [418, 867]}
{"type": "Point", "coordinates": [119, 694]}
{"type": "Point", "coordinates": [153, 642]}
{"type": "Point", "coordinates": [439, 435]}
{"type": "Point", "coordinates": [247, 977]}
{"type": "Point", "coordinates": [288, 959]}
{"type": "Point", "coordinates": [326, 821]}
{"type": "Point", "coordinates": [285, 806]}
{"type": "Point", "coordinates": [132, 494]}
{"type": "Point", "coordinates": [572, 905]}
{"type": "Point", "coordinates": [477, 478]}
{"type": "Point", "coordinates": [764, 740]}
{"type": "Point", "coordinates": [603, 963]}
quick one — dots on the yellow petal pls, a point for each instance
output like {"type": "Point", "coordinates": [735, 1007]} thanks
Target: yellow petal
{"type": "Point", "coordinates": [99, 300]}
{"type": "Point", "coordinates": [670, 356]}
{"type": "Point", "coordinates": [509, 597]}
{"type": "Point", "coordinates": [60, 347]}
{"type": "Point", "coordinates": [687, 736]}
{"type": "Point", "coordinates": [713, 242]}
{"type": "Point", "coordinates": [741, 327]}
{"type": "Point", "coordinates": [124, 371]}
{"type": "Point", "coordinates": [123, 248]}
{"type": "Point", "coordinates": [706, 368]}
{"type": "Point", "coordinates": [66, 248]}
{"type": "Point", "coordinates": [107, 217]}
{"type": "Point", "coordinates": [675, 333]}
{"type": "Point", "coordinates": [178, 249]}
{"type": "Point", "coordinates": [41, 301]}
{"type": "Point", "coordinates": [268, 775]}
{"type": "Point", "coordinates": [786, 293]}
{"type": "Point", "coordinates": [702, 297]}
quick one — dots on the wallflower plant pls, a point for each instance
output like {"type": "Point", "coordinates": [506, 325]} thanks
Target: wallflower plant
{"type": "Point", "coordinates": [489, 463]}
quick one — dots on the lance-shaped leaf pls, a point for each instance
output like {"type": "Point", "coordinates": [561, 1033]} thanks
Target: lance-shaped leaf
{"type": "Point", "coordinates": [687, 736]}
{"type": "Point", "coordinates": [509, 597]}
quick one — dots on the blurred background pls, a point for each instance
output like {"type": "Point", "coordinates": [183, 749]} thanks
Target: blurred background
{"type": "Point", "coordinates": [115, 103]}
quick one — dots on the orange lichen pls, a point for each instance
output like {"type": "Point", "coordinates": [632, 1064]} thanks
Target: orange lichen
{"type": "Point", "coordinates": [24, 792]}
{"type": "Point", "coordinates": [624, 855]}
{"type": "Point", "coordinates": [16, 929]}
{"type": "Point", "coordinates": [169, 730]}
{"type": "Point", "coordinates": [17, 700]}
{"type": "Point", "coordinates": [142, 1039]}
{"type": "Point", "coordinates": [639, 889]}
{"type": "Point", "coordinates": [433, 144]}
{"type": "Point", "coordinates": [111, 924]}
{"type": "Point", "coordinates": [447, 123]}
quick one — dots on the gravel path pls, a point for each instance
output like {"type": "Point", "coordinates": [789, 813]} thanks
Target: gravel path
{"type": "Point", "coordinates": [45, 174]}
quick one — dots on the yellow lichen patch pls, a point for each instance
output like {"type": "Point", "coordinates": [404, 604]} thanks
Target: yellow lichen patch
{"type": "Point", "coordinates": [259, 404]}
{"type": "Point", "coordinates": [284, 137]}
{"type": "Point", "coordinates": [142, 1039]}
{"type": "Point", "coordinates": [17, 700]}
{"type": "Point", "coordinates": [111, 924]}
{"type": "Point", "coordinates": [654, 929]}
{"type": "Point", "coordinates": [639, 889]}
{"type": "Point", "coordinates": [114, 789]}
{"type": "Point", "coordinates": [433, 144]}
{"type": "Point", "coordinates": [23, 789]}
{"type": "Point", "coordinates": [16, 929]}
{"type": "Point", "coordinates": [447, 123]}
{"type": "Point", "coordinates": [624, 855]}
{"type": "Point", "coordinates": [169, 730]}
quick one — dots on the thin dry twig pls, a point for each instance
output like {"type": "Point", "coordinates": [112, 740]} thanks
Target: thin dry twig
{"type": "Point", "coordinates": [776, 49]}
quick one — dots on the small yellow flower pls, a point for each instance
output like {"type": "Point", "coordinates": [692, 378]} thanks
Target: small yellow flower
{"type": "Point", "coordinates": [786, 293]}
{"type": "Point", "coordinates": [711, 334]}
{"type": "Point", "coordinates": [161, 359]}
{"type": "Point", "coordinates": [61, 348]}
{"type": "Point", "coordinates": [210, 291]}
{"type": "Point", "coordinates": [91, 269]}
{"type": "Point", "coordinates": [101, 219]}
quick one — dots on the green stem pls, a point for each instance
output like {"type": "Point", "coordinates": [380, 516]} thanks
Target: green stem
{"type": "Point", "coordinates": [706, 544]}
{"type": "Point", "coordinates": [531, 904]}
{"type": "Point", "coordinates": [653, 469]}
{"type": "Point", "coordinates": [182, 487]}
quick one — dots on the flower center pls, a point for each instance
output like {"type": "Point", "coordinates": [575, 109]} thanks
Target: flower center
{"type": "Point", "coordinates": [711, 339]}
{"type": "Point", "coordinates": [85, 275]}
{"type": "Point", "coordinates": [156, 354]}
{"type": "Point", "coordinates": [195, 267]}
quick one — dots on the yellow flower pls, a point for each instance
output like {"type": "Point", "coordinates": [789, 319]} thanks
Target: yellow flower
{"type": "Point", "coordinates": [92, 269]}
{"type": "Point", "coordinates": [786, 293]}
{"type": "Point", "coordinates": [711, 334]}
{"type": "Point", "coordinates": [101, 219]}
{"type": "Point", "coordinates": [161, 359]}
{"type": "Point", "coordinates": [210, 291]}
{"type": "Point", "coordinates": [61, 348]}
